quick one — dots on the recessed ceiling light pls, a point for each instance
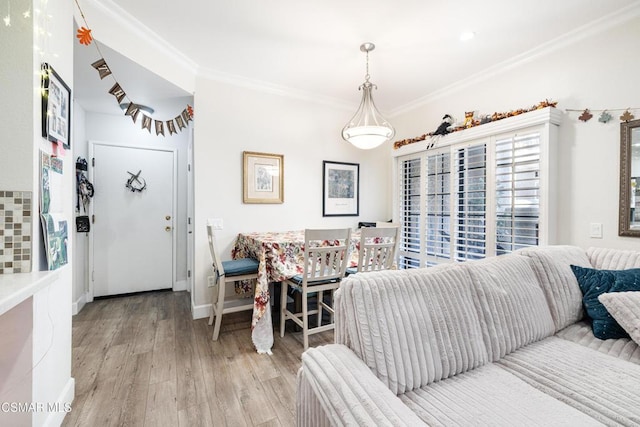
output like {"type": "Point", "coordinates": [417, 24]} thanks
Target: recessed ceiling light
{"type": "Point", "coordinates": [467, 35]}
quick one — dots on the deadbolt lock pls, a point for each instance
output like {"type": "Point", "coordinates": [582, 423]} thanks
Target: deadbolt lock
{"type": "Point", "coordinates": [167, 228]}
{"type": "Point", "coordinates": [168, 217]}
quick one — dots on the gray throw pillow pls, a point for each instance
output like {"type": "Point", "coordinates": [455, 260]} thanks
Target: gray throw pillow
{"type": "Point", "coordinates": [625, 308]}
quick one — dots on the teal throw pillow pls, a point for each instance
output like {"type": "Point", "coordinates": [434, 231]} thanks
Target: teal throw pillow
{"type": "Point", "coordinates": [593, 283]}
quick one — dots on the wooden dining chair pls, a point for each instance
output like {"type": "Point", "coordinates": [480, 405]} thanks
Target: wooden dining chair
{"type": "Point", "coordinates": [326, 255]}
{"type": "Point", "coordinates": [225, 275]}
{"type": "Point", "coordinates": [378, 248]}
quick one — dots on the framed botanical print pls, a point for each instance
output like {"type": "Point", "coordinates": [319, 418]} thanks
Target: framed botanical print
{"type": "Point", "coordinates": [340, 189]}
{"type": "Point", "coordinates": [56, 107]}
{"type": "Point", "coordinates": [263, 178]}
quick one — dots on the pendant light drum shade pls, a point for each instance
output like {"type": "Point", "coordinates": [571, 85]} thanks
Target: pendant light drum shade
{"type": "Point", "coordinates": [368, 128]}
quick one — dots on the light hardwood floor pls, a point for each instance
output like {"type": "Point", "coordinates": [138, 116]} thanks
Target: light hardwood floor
{"type": "Point", "coordinates": [142, 361]}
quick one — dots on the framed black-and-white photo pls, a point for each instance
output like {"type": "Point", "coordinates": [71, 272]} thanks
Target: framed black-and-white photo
{"type": "Point", "coordinates": [263, 178]}
{"type": "Point", "coordinates": [340, 189]}
{"type": "Point", "coordinates": [56, 107]}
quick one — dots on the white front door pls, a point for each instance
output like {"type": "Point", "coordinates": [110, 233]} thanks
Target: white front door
{"type": "Point", "coordinates": [133, 227]}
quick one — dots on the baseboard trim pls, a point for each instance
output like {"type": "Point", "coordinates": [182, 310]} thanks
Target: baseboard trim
{"type": "Point", "coordinates": [79, 304]}
{"type": "Point", "coordinates": [181, 285]}
{"type": "Point", "coordinates": [66, 397]}
{"type": "Point", "coordinates": [200, 311]}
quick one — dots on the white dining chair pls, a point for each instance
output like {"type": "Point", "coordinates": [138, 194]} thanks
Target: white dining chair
{"type": "Point", "coordinates": [326, 255]}
{"type": "Point", "coordinates": [378, 248]}
{"type": "Point", "coordinates": [225, 275]}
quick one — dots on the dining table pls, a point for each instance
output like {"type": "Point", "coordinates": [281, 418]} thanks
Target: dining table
{"type": "Point", "coordinates": [280, 256]}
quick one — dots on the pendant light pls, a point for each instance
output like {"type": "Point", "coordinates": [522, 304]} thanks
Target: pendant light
{"type": "Point", "coordinates": [367, 129]}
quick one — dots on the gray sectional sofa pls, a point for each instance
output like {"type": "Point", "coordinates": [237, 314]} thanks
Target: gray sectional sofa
{"type": "Point", "coordinates": [497, 342]}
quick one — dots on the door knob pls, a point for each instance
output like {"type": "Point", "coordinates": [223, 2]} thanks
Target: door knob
{"type": "Point", "coordinates": [168, 217]}
{"type": "Point", "coordinates": [167, 228]}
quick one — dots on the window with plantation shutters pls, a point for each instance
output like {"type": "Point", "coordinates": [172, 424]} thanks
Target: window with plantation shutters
{"type": "Point", "coordinates": [438, 212]}
{"type": "Point", "coordinates": [481, 192]}
{"type": "Point", "coordinates": [471, 202]}
{"type": "Point", "coordinates": [517, 192]}
{"type": "Point", "coordinates": [410, 196]}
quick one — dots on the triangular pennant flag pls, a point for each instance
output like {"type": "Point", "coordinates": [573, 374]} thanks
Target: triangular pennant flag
{"type": "Point", "coordinates": [102, 67]}
{"type": "Point", "coordinates": [146, 122]}
{"type": "Point", "coordinates": [190, 111]}
{"type": "Point", "coordinates": [159, 127]}
{"type": "Point", "coordinates": [117, 91]}
{"type": "Point", "coordinates": [132, 110]}
{"type": "Point", "coordinates": [185, 116]}
{"type": "Point", "coordinates": [180, 123]}
{"type": "Point", "coordinates": [171, 126]}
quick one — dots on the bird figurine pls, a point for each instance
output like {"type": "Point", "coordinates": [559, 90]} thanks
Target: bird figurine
{"type": "Point", "coordinates": [444, 127]}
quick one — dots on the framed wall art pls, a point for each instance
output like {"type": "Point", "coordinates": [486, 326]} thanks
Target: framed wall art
{"type": "Point", "coordinates": [56, 107]}
{"type": "Point", "coordinates": [340, 189]}
{"type": "Point", "coordinates": [263, 178]}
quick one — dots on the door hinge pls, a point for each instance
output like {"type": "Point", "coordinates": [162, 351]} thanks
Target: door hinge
{"type": "Point", "coordinates": [188, 273]}
{"type": "Point", "coordinates": [93, 276]}
{"type": "Point", "coordinates": [189, 168]}
{"type": "Point", "coordinates": [93, 161]}
{"type": "Point", "coordinates": [189, 220]}
{"type": "Point", "coordinates": [93, 219]}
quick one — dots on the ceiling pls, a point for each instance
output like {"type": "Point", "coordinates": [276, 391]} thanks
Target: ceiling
{"type": "Point", "coordinates": [312, 47]}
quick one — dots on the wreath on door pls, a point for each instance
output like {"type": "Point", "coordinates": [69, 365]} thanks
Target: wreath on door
{"type": "Point", "coordinates": [136, 183]}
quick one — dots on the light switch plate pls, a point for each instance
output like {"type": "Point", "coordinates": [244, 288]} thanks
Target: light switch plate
{"type": "Point", "coordinates": [217, 223]}
{"type": "Point", "coordinates": [595, 230]}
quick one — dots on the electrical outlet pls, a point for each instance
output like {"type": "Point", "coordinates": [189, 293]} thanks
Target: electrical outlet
{"type": "Point", "coordinates": [595, 230]}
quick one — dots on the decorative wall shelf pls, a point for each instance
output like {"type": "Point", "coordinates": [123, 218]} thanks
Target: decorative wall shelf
{"type": "Point", "coordinates": [548, 115]}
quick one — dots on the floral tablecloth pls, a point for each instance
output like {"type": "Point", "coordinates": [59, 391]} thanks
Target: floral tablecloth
{"type": "Point", "coordinates": [281, 256]}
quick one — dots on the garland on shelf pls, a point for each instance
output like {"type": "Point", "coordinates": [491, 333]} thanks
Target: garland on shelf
{"type": "Point", "coordinates": [181, 121]}
{"type": "Point", "coordinates": [470, 121]}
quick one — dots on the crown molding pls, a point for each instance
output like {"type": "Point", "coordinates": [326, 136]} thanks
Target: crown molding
{"type": "Point", "coordinates": [131, 23]}
{"type": "Point", "coordinates": [274, 89]}
{"type": "Point", "coordinates": [572, 37]}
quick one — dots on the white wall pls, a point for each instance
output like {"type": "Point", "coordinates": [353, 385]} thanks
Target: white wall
{"type": "Point", "coordinates": [16, 106]}
{"type": "Point", "coordinates": [597, 72]}
{"type": "Point", "coordinates": [230, 120]}
{"type": "Point", "coordinates": [53, 308]}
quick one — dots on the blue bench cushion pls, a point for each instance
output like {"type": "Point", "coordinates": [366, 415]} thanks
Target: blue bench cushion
{"type": "Point", "coordinates": [238, 267]}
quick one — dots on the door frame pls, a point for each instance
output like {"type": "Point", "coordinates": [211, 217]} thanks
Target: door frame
{"type": "Point", "coordinates": [190, 219]}
{"type": "Point", "coordinates": [174, 206]}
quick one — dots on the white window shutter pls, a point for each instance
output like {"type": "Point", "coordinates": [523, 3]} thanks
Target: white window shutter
{"type": "Point", "coordinates": [517, 192]}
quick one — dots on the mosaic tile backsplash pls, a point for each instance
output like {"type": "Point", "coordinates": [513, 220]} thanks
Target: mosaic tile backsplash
{"type": "Point", "coordinates": [16, 215]}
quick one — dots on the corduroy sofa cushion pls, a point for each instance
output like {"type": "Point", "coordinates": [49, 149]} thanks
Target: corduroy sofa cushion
{"type": "Point", "coordinates": [411, 328]}
{"type": "Point", "coordinates": [613, 259]}
{"type": "Point", "coordinates": [512, 308]}
{"type": "Point", "coordinates": [552, 267]}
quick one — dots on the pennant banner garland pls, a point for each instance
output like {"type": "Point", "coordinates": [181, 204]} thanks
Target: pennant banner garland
{"type": "Point", "coordinates": [102, 67]}
{"type": "Point", "coordinates": [181, 121]}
